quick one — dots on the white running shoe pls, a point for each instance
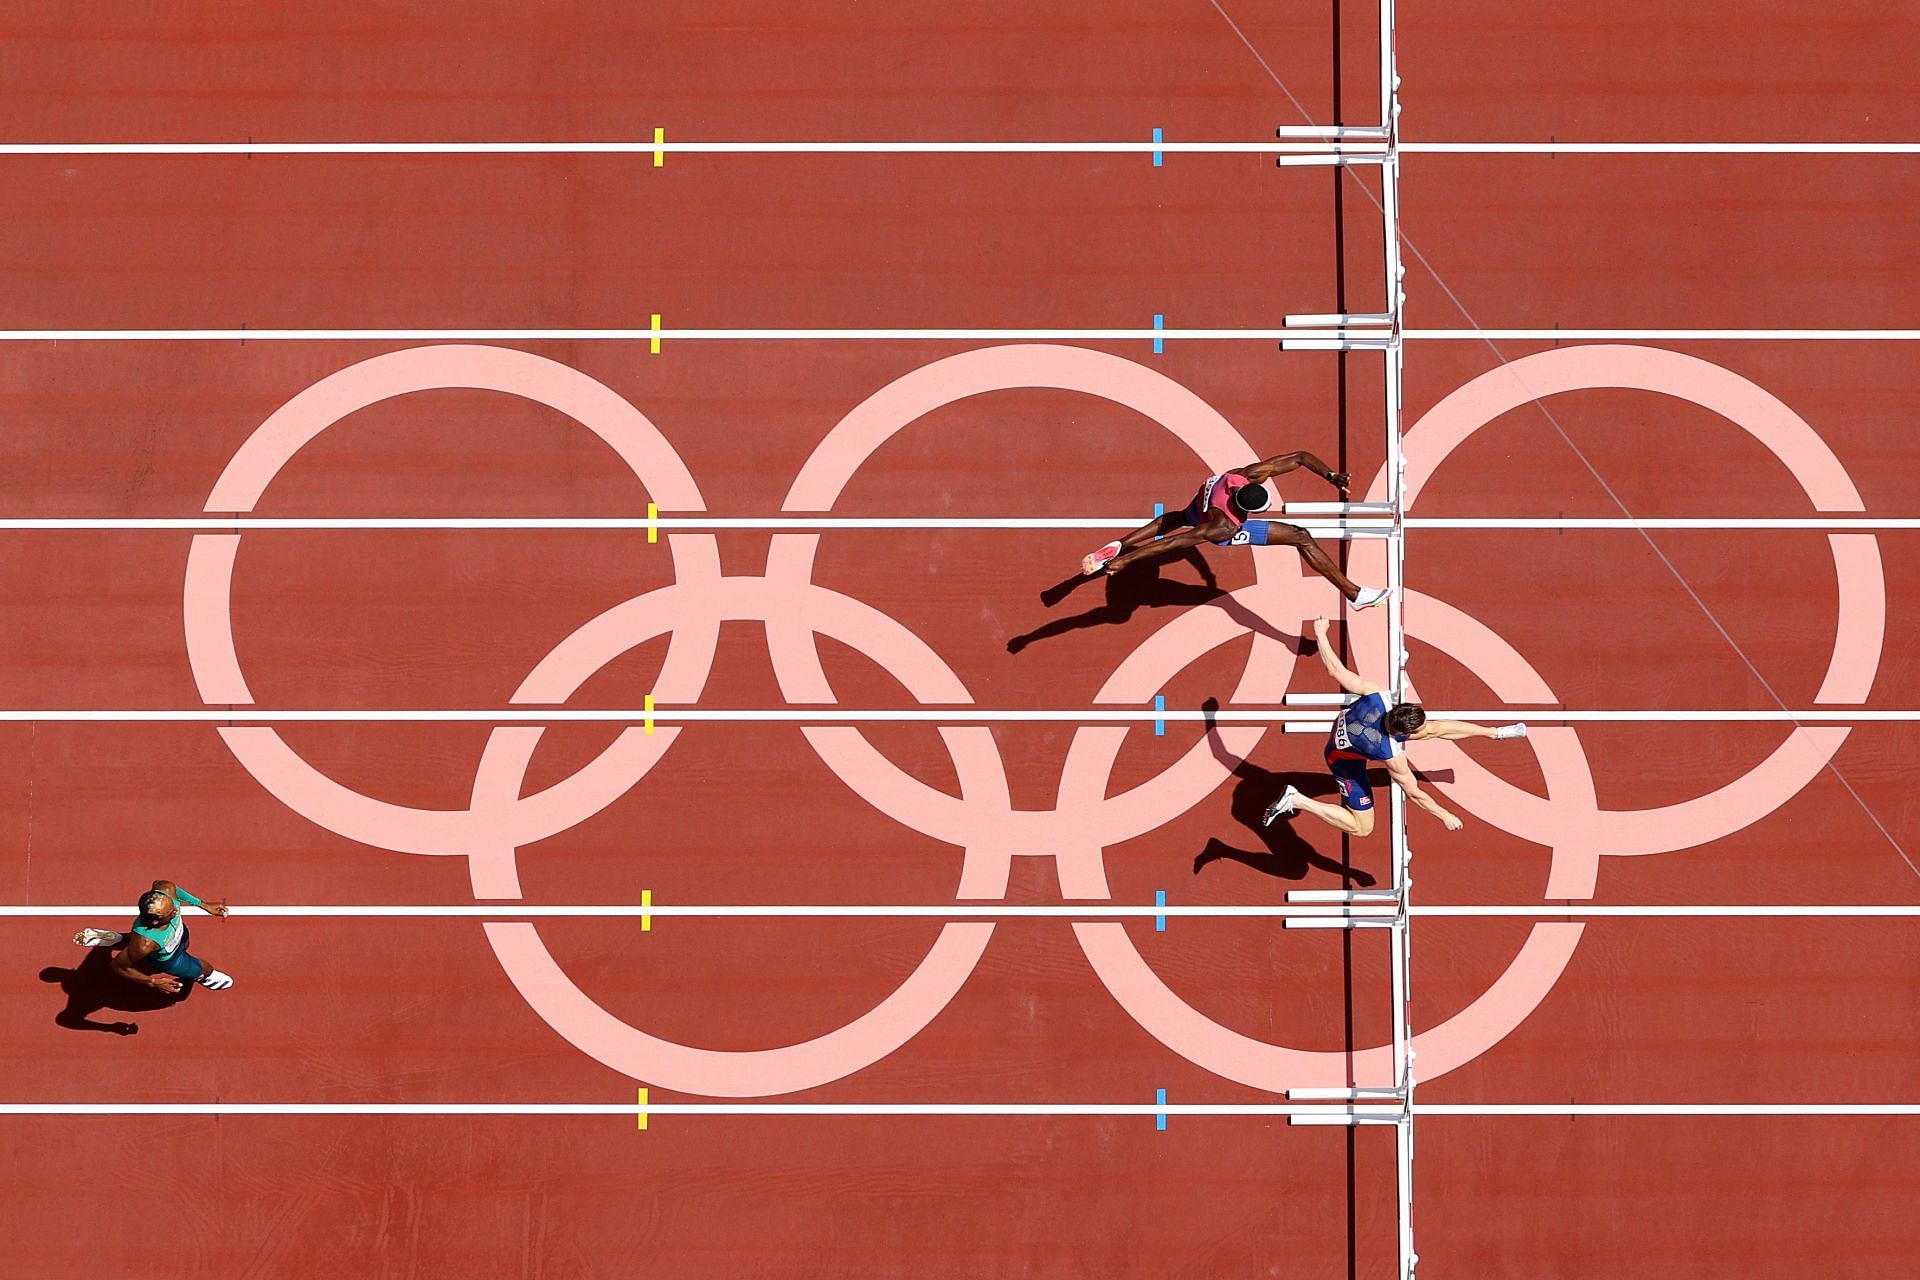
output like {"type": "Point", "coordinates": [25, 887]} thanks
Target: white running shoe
{"type": "Point", "coordinates": [1097, 561]}
{"type": "Point", "coordinates": [1511, 731]}
{"type": "Point", "coordinates": [1283, 805]}
{"type": "Point", "coordinates": [1369, 597]}
{"type": "Point", "coordinates": [97, 938]}
{"type": "Point", "coordinates": [214, 980]}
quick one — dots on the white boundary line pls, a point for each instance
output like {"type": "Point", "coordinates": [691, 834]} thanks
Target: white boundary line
{"type": "Point", "coordinates": [1661, 148]}
{"type": "Point", "coordinates": [1360, 525]}
{"type": "Point", "coordinates": [1297, 339]}
{"type": "Point", "coordinates": [1400, 938]}
{"type": "Point", "coordinates": [1663, 335]}
{"type": "Point", "coordinates": [1319, 525]}
{"type": "Point", "coordinates": [1352, 526]}
{"type": "Point", "coordinates": [984, 910]}
{"type": "Point", "coordinates": [671, 335]}
{"type": "Point", "coordinates": [1732, 522]}
{"type": "Point", "coordinates": [1043, 1109]}
{"type": "Point", "coordinates": [907, 715]}
{"type": "Point", "coordinates": [1354, 146]}
{"type": "Point", "coordinates": [1357, 146]}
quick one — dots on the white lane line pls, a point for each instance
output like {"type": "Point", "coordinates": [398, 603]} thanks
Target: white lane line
{"type": "Point", "coordinates": [1316, 525]}
{"type": "Point", "coordinates": [1656, 522]}
{"type": "Point", "coordinates": [913, 715]}
{"type": "Point", "coordinates": [1062, 1109]}
{"type": "Point", "coordinates": [976, 911]}
{"type": "Point", "coordinates": [1351, 146]}
{"type": "Point", "coordinates": [1662, 335]}
{"type": "Point", "coordinates": [671, 335]}
{"type": "Point", "coordinates": [243, 524]}
{"type": "Point", "coordinates": [1302, 339]}
{"type": "Point", "coordinates": [669, 147]}
{"type": "Point", "coordinates": [1661, 148]}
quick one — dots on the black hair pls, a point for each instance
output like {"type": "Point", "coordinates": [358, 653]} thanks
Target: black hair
{"type": "Point", "coordinates": [149, 900]}
{"type": "Point", "coordinates": [1250, 498]}
{"type": "Point", "coordinates": [1405, 719]}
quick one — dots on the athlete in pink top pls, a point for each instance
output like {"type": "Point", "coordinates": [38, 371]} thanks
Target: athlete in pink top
{"type": "Point", "coordinates": [1220, 513]}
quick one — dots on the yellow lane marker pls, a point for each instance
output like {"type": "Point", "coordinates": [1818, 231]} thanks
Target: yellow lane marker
{"type": "Point", "coordinates": [653, 514]}
{"type": "Point", "coordinates": [653, 343]}
{"type": "Point", "coordinates": [648, 708]}
{"type": "Point", "coordinates": [646, 921]}
{"type": "Point", "coordinates": [643, 1111]}
{"type": "Point", "coordinates": [659, 147]}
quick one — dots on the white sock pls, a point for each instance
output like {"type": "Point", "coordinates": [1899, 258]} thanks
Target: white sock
{"type": "Point", "coordinates": [1511, 731]}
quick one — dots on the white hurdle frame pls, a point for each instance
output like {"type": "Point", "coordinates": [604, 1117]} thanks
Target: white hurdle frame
{"type": "Point", "coordinates": [1400, 939]}
{"type": "Point", "coordinates": [1375, 1102]}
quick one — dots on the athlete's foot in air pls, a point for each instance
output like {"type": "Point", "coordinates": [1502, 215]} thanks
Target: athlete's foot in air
{"type": "Point", "coordinates": [1511, 731]}
{"type": "Point", "coordinates": [96, 938]}
{"type": "Point", "coordinates": [1284, 805]}
{"type": "Point", "coordinates": [214, 980]}
{"type": "Point", "coordinates": [1367, 597]}
{"type": "Point", "coordinates": [1097, 560]}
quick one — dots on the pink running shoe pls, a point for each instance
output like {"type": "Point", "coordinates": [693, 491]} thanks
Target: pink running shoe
{"type": "Point", "coordinates": [1098, 560]}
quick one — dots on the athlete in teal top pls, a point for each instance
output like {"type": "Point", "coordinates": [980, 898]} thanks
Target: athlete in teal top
{"type": "Point", "coordinates": [153, 952]}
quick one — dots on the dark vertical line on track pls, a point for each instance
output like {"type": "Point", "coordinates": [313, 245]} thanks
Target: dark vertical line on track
{"type": "Point", "coordinates": [1341, 373]}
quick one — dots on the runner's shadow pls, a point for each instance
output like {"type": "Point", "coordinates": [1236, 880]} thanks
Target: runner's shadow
{"type": "Point", "coordinates": [1282, 853]}
{"type": "Point", "coordinates": [1140, 586]}
{"type": "Point", "coordinates": [92, 985]}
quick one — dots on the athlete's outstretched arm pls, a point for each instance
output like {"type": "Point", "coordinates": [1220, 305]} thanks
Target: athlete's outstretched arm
{"type": "Point", "coordinates": [212, 906]}
{"type": "Point", "coordinates": [1457, 730]}
{"type": "Point", "coordinates": [1161, 547]}
{"type": "Point", "coordinates": [1342, 676]}
{"type": "Point", "coordinates": [1453, 730]}
{"type": "Point", "coordinates": [1281, 463]}
{"type": "Point", "coordinates": [1403, 776]}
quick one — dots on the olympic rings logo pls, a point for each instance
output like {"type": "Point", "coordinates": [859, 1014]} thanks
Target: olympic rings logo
{"type": "Point", "coordinates": [982, 822]}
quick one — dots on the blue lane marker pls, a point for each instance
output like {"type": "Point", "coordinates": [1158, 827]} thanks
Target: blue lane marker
{"type": "Point", "coordinates": [1160, 1100]}
{"type": "Point", "coordinates": [1159, 509]}
{"type": "Point", "coordinates": [1159, 900]}
{"type": "Point", "coordinates": [1156, 155]}
{"type": "Point", "coordinates": [1159, 704]}
{"type": "Point", "coordinates": [1159, 343]}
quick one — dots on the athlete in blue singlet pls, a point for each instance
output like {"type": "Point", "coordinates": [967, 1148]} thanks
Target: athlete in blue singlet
{"type": "Point", "coordinates": [1222, 512]}
{"type": "Point", "coordinates": [153, 952]}
{"type": "Point", "coordinates": [1369, 732]}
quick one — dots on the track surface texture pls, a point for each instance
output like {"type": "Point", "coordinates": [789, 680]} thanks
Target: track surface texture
{"type": "Point", "coordinates": [133, 618]}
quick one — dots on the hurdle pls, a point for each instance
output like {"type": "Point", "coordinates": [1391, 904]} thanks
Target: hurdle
{"type": "Point", "coordinates": [1373, 1102]}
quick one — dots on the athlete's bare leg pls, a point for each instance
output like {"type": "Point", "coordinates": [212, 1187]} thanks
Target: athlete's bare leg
{"type": "Point", "coordinates": [1158, 527]}
{"type": "Point", "coordinates": [1291, 535]}
{"type": "Point", "coordinates": [1337, 816]}
{"type": "Point", "coordinates": [1152, 531]}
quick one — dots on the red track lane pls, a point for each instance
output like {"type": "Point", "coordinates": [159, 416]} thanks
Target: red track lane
{"type": "Point", "coordinates": [1665, 242]}
{"type": "Point", "coordinates": [1769, 71]}
{"type": "Point", "coordinates": [1667, 1198]}
{"type": "Point", "coordinates": [1763, 1011]}
{"type": "Point", "coordinates": [438, 1196]}
{"type": "Point", "coordinates": [747, 69]}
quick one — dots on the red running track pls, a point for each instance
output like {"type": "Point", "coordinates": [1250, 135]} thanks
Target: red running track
{"type": "Point", "coordinates": [1645, 1010]}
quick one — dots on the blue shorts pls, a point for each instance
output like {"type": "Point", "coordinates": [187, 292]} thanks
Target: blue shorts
{"type": "Point", "coordinates": [179, 965]}
{"type": "Point", "coordinates": [1355, 791]}
{"type": "Point", "coordinates": [1251, 534]}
